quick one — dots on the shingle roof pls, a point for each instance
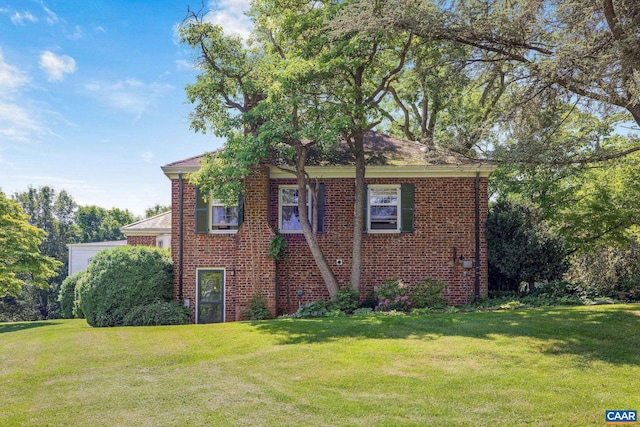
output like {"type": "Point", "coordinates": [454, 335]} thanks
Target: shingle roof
{"type": "Point", "coordinates": [381, 150]}
{"type": "Point", "coordinates": [158, 224]}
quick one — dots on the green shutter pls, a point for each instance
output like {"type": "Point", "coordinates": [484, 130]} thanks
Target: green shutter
{"type": "Point", "coordinates": [202, 212]}
{"type": "Point", "coordinates": [321, 209]}
{"type": "Point", "coordinates": [365, 208]}
{"type": "Point", "coordinates": [240, 209]}
{"type": "Point", "coordinates": [407, 200]}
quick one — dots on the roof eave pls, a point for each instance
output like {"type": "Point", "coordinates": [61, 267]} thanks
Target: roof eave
{"type": "Point", "coordinates": [396, 171]}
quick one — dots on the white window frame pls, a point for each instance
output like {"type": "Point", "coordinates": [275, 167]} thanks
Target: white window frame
{"type": "Point", "coordinates": [373, 187]}
{"type": "Point", "coordinates": [281, 204]}
{"type": "Point", "coordinates": [215, 203]}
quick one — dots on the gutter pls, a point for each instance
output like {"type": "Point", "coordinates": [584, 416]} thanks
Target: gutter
{"type": "Point", "coordinates": [180, 234]}
{"type": "Point", "coordinates": [476, 188]}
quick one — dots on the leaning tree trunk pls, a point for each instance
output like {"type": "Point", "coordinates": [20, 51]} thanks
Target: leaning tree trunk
{"type": "Point", "coordinates": [309, 232]}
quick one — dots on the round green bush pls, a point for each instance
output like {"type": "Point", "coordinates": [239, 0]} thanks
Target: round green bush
{"type": "Point", "coordinates": [67, 295]}
{"type": "Point", "coordinates": [119, 280]}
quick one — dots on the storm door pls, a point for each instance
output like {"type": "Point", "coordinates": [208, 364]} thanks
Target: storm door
{"type": "Point", "coordinates": [210, 296]}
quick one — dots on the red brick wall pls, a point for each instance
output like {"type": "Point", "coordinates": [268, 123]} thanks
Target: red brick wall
{"type": "Point", "coordinates": [444, 220]}
{"type": "Point", "coordinates": [141, 240]}
{"type": "Point", "coordinates": [248, 270]}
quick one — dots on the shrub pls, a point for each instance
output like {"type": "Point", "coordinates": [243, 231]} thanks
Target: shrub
{"type": "Point", "coordinates": [428, 294]}
{"type": "Point", "coordinates": [312, 309]}
{"type": "Point", "coordinates": [157, 313]}
{"type": "Point", "coordinates": [363, 312]}
{"type": "Point", "coordinates": [67, 295]}
{"type": "Point", "coordinates": [257, 308]}
{"type": "Point", "coordinates": [346, 300]}
{"type": "Point", "coordinates": [392, 295]}
{"type": "Point", "coordinates": [370, 301]}
{"type": "Point", "coordinates": [609, 270]}
{"type": "Point", "coordinates": [521, 247]}
{"type": "Point", "coordinates": [120, 280]}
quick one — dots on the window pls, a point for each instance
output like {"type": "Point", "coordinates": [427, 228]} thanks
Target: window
{"type": "Point", "coordinates": [223, 217]}
{"type": "Point", "coordinates": [389, 208]}
{"type": "Point", "coordinates": [288, 214]}
{"type": "Point", "coordinates": [384, 203]}
{"type": "Point", "coordinates": [212, 216]}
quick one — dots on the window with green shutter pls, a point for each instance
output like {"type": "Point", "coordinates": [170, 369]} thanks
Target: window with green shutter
{"type": "Point", "coordinates": [389, 208]}
{"type": "Point", "coordinates": [213, 216]}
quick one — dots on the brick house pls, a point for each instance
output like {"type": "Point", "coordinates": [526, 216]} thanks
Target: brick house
{"type": "Point", "coordinates": [425, 216]}
{"type": "Point", "coordinates": [152, 231]}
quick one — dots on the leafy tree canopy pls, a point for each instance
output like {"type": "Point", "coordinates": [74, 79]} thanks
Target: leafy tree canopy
{"type": "Point", "coordinates": [99, 224]}
{"type": "Point", "coordinates": [20, 258]}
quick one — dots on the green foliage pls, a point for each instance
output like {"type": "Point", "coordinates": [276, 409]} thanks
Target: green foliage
{"type": "Point", "coordinates": [18, 308]}
{"type": "Point", "coordinates": [157, 313]}
{"type": "Point", "coordinates": [420, 311]}
{"type": "Point", "coordinates": [363, 312]}
{"type": "Point", "coordinates": [277, 247]}
{"type": "Point", "coordinates": [346, 300]}
{"type": "Point", "coordinates": [121, 279]}
{"type": "Point", "coordinates": [393, 296]}
{"type": "Point", "coordinates": [428, 294]}
{"type": "Point", "coordinates": [520, 248]}
{"type": "Point", "coordinates": [98, 224]}
{"type": "Point", "coordinates": [258, 309]}
{"type": "Point", "coordinates": [55, 214]}
{"type": "Point", "coordinates": [156, 209]}
{"type": "Point", "coordinates": [20, 251]}
{"type": "Point", "coordinates": [67, 295]}
{"type": "Point", "coordinates": [311, 309]}
{"type": "Point", "coordinates": [609, 270]}
{"type": "Point", "coordinates": [335, 313]}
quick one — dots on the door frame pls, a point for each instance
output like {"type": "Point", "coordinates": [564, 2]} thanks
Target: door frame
{"type": "Point", "coordinates": [224, 288]}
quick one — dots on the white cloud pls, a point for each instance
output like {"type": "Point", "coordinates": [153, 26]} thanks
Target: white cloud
{"type": "Point", "coordinates": [130, 96]}
{"type": "Point", "coordinates": [56, 66]}
{"type": "Point", "coordinates": [100, 29]}
{"type": "Point", "coordinates": [229, 14]}
{"type": "Point", "coordinates": [20, 18]}
{"type": "Point", "coordinates": [17, 124]}
{"type": "Point", "coordinates": [11, 78]}
{"type": "Point", "coordinates": [52, 18]}
{"type": "Point", "coordinates": [77, 33]}
{"type": "Point", "coordinates": [184, 65]}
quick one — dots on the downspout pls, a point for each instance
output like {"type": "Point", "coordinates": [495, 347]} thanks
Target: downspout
{"type": "Point", "coordinates": [476, 188]}
{"type": "Point", "coordinates": [180, 234]}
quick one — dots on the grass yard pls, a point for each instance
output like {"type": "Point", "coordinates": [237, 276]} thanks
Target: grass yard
{"type": "Point", "coordinates": [556, 366]}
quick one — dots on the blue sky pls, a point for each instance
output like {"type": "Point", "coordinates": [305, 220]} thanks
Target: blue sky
{"type": "Point", "coordinates": [92, 96]}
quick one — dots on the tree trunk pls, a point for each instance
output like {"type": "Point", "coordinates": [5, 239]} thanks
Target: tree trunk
{"type": "Point", "coordinates": [309, 232]}
{"type": "Point", "coordinates": [358, 213]}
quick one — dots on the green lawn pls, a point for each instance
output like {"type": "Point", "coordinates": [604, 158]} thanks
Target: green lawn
{"type": "Point", "coordinates": [556, 366]}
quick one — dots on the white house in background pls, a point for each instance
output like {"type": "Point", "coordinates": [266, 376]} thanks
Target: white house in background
{"type": "Point", "coordinates": [154, 231]}
{"type": "Point", "coordinates": [80, 254]}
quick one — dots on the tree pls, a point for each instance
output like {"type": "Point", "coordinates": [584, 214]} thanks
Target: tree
{"type": "Point", "coordinates": [99, 224]}
{"type": "Point", "coordinates": [520, 248]}
{"type": "Point", "coordinates": [580, 52]}
{"type": "Point", "coordinates": [156, 209]}
{"type": "Point", "coordinates": [55, 214]}
{"type": "Point", "coordinates": [306, 88]}
{"type": "Point", "coordinates": [21, 260]}
{"type": "Point", "coordinates": [267, 122]}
